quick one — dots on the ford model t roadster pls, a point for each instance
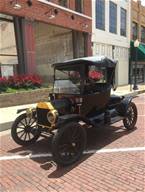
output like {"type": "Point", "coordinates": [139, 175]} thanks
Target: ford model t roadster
{"type": "Point", "coordinates": [81, 99]}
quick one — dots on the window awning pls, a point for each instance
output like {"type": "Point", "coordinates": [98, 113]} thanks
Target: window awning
{"type": "Point", "coordinates": [140, 53]}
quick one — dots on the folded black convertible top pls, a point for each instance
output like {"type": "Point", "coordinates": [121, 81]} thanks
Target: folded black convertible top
{"type": "Point", "coordinates": [100, 61]}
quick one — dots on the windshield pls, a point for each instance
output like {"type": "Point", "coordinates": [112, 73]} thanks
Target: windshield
{"type": "Point", "coordinates": [67, 82]}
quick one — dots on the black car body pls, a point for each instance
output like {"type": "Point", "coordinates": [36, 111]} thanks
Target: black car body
{"type": "Point", "coordinates": [81, 98]}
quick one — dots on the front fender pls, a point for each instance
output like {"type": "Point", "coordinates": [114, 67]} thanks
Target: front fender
{"type": "Point", "coordinates": [29, 111]}
{"type": "Point", "coordinates": [123, 106]}
{"type": "Point", "coordinates": [21, 110]}
{"type": "Point", "coordinates": [69, 118]}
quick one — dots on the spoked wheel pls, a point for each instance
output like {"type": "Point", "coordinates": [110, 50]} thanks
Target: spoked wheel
{"type": "Point", "coordinates": [131, 119]}
{"type": "Point", "coordinates": [24, 130]}
{"type": "Point", "coordinates": [68, 144]}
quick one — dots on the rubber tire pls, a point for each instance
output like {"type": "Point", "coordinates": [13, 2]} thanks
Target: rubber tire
{"type": "Point", "coordinates": [55, 143]}
{"type": "Point", "coordinates": [132, 126]}
{"type": "Point", "coordinates": [14, 132]}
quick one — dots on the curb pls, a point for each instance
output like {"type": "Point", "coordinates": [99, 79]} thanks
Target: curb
{"type": "Point", "coordinates": [7, 125]}
{"type": "Point", "coordinates": [133, 94]}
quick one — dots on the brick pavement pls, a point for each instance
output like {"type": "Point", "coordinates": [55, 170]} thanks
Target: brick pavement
{"type": "Point", "coordinates": [104, 172]}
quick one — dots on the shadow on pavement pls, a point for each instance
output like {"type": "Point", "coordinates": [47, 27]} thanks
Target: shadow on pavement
{"type": "Point", "coordinates": [97, 139]}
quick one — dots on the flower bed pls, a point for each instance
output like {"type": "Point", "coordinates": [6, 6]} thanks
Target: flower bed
{"type": "Point", "coordinates": [19, 82]}
{"type": "Point", "coordinates": [22, 89]}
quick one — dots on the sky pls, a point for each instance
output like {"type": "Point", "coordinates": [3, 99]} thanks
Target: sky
{"type": "Point", "coordinates": [143, 2]}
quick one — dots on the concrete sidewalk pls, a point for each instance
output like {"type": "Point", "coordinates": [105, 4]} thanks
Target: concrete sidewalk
{"type": "Point", "coordinates": [127, 90]}
{"type": "Point", "coordinates": [8, 114]}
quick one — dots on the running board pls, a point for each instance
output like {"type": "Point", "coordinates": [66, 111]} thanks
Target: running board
{"type": "Point", "coordinates": [116, 119]}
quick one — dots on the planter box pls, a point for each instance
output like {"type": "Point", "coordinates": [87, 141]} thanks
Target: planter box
{"type": "Point", "coordinates": [24, 97]}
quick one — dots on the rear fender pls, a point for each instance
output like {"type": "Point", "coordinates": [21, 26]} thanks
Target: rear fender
{"type": "Point", "coordinates": [69, 118]}
{"type": "Point", "coordinates": [123, 106]}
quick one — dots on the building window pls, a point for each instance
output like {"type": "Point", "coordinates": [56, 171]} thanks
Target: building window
{"type": "Point", "coordinates": [79, 4]}
{"type": "Point", "coordinates": [100, 14]}
{"type": "Point", "coordinates": [142, 34]}
{"type": "Point", "coordinates": [134, 31]}
{"type": "Point", "coordinates": [113, 17]}
{"type": "Point", "coordinates": [8, 50]}
{"type": "Point", "coordinates": [140, 71]}
{"type": "Point", "coordinates": [63, 3]}
{"type": "Point", "coordinates": [123, 22]}
{"type": "Point", "coordinates": [97, 49]}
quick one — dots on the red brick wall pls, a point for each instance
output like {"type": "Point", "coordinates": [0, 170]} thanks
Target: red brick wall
{"type": "Point", "coordinates": [30, 47]}
{"type": "Point", "coordinates": [72, 4]}
{"type": "Point", "coordinates": [137, 16]}
{"type": "Point", "coordinates": [41, 12]}
{"type": "Point", "coordinates": [88, 7]}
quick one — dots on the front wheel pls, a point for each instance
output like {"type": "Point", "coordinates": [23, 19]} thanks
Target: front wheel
{"type": "Point", "coordinates": [131, 118]}
{"type": "Point", "coordinates": [68, 144]}
{"type": "Point", "coordinates": [24, 130]}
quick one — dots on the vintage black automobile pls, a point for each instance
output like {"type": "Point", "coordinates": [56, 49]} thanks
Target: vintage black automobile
{"type": "Point", "coordinates": [81, 99]}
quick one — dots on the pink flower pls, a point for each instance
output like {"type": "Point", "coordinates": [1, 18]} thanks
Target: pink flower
{"type": "Point", "coordinates": [95, 75]}
{"type": "Point", "coordinates": [21, 81]}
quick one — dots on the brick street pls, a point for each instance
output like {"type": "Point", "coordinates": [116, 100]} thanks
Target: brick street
{"type": "Point", "coordinates": [119, 171]}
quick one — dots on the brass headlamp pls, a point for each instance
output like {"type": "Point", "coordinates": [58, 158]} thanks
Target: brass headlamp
{"type": "Point", "coordinates": [47, 115]}
{"type": "Point", "coordinates": [52, 117]}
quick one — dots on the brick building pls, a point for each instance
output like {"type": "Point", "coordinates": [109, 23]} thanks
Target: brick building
{"type": "Point", "coordinates": [137, 32]}
{"type": "Point", "coordinates": [35, 34]}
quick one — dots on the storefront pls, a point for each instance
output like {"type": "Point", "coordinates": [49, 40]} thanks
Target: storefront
{"type": "Point", "coordinates": [138, 70]}
{"type": "Point", "coordinates": [40, 33]}
{"type": "Point", "coordinates": [16, 50]}
{"type": "Point", "coordinates": [55, 44]}
{"type": "Point", "coordinates": [29, 47]}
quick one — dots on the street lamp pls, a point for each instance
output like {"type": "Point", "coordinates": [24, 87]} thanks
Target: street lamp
{"type": "Point", "coordinates": [136, 45]}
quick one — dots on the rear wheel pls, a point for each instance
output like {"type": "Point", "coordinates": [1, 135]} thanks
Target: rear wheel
{"type": "Point", "coordinates": [131, 118]}
{"type": "Point", "coordinates": [24, 130]}
{"type": "Point", "coordinates": [68, 144]}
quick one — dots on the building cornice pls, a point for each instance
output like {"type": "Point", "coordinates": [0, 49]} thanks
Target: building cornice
{"type": "Point", "coordinates": [65, 9]}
